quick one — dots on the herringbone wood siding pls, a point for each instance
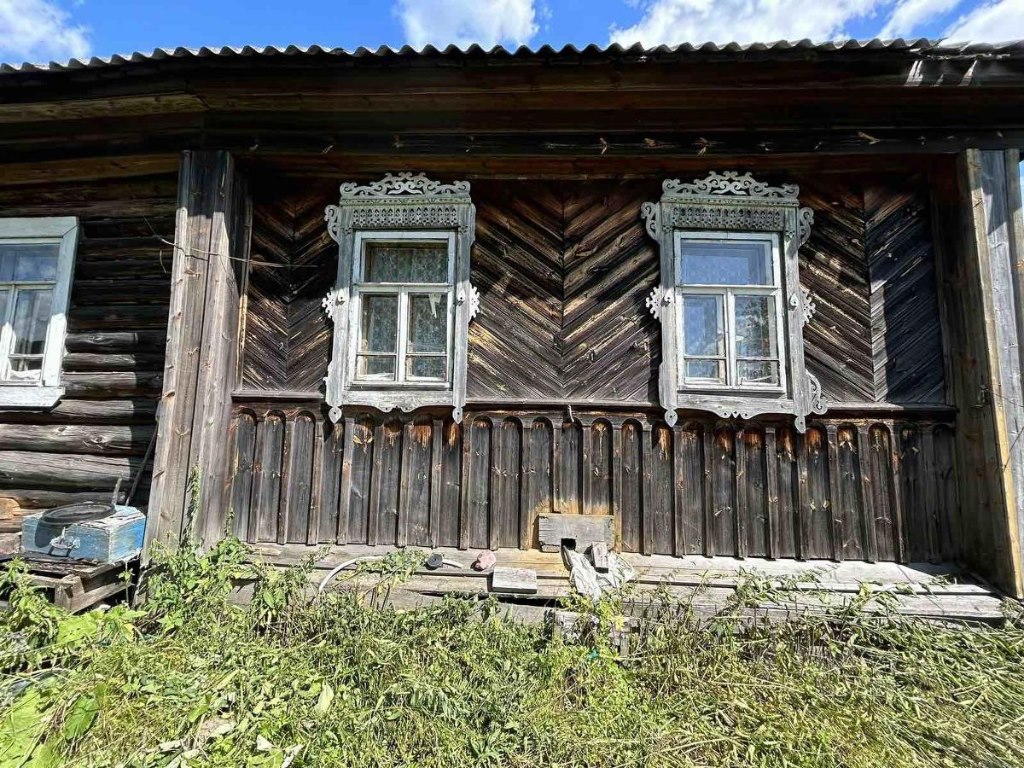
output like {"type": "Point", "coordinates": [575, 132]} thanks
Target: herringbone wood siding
{"type": "Point", "coordinates": [287, 336]}
{"type": "Point", "coordinates": [870, 267]}
{"type": "Point", "coordinates": [563, 269]}
{"type": "Point", "coordinates": [906, 337]}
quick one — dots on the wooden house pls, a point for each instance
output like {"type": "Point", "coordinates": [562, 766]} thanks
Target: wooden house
{"type": "Point", "coordinates": [750, 301]}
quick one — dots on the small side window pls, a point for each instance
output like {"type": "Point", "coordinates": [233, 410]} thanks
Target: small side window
{"type": "Point", "coordinates": [36, 264]}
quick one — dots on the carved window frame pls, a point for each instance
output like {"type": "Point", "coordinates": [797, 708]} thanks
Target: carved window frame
{"type": "Point", "coordinates": [399, 207]}
{"type": "Point", "coordinates": [731, 202]}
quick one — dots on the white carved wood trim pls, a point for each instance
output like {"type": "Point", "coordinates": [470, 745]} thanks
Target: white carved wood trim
{"type": "Point", "coordinates": [656, 299]}
{"type": "Point", "coordinates": [403, 205]}
{"type": "Point", "coordinates": [807, 302]}
{"type": "Point", "coordinates": [731, 201]}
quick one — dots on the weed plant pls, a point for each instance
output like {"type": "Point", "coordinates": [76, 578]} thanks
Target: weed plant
{"type": "Point", "coordinates": [189, 678]}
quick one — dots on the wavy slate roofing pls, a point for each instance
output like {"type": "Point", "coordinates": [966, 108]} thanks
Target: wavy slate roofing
{"type": "Point", "coordinates": [911, 49]}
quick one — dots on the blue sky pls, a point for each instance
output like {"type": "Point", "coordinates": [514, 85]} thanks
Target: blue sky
{"type": "Point", "coordinates": [42, 30]}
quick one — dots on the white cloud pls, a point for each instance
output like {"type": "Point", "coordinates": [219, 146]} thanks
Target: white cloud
{"type": "Point", "coordinates": [462, 22]}
{"type": "Point", "coordinates": [38, 30]}
{"type": "Point", "coordinates": [993, 23]}
{"type": "Point", "coordinates": [909, 15]}
{"type": "Point", "coordinates": [743, 21]}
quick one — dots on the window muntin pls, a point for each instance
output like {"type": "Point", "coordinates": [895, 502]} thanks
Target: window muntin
{"type": "Point", "coordinates": [729, 291]}
{"type": "Point", "coordinates": [403, 289]}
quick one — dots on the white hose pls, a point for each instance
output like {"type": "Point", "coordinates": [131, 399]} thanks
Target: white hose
{"type": "Point", "coordinates": [368, 558]}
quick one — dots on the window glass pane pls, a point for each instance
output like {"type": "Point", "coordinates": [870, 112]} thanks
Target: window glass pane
{"type": "Point", "coordinates": [4, 299]}
{"type": "Point", "coordinates": [27, 261]}
{"type": "Point", "coordinates": [31, 318]}
{"type": "Point", "coordinates": [755, 326]}
{"type": "Point", "coordinates": [732, 262]}
{"type": "Point", "coordinates": [758, 371]}
{"type": "Point", "coordinates": [703, 325]}
{"type": "Point", "coordinates": [379, 324]}
{"type": "Point", "coordinates": [30, 365]}
{"type": "Point", "coordinates": [375, 367]}
{"type": "Point", "coordinates": [426, 368]}
{"type": "Point", "coordinates": [428, 323]}
{"type": "Point", "coordinates": [406, 263]}
{"type": "Point", "coordinates": [705, 369]}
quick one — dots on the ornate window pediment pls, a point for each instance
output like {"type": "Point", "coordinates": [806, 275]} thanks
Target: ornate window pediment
{"type": "Point", "coordinates": [402, 302]}
{"type": "Point", "coordinates": [730, 304]}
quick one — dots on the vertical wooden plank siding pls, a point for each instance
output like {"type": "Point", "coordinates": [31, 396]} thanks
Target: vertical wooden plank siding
{"type": "Point", "coordinates": [774, 508]}
{"type": "Point", "coordinates": [832, 503]}
{"type": "Point", "coordinates": [789, 493]}
{"type": "Point", "coordinates": [680, 481]}
{"type": "Point", "coordinates": [724, 509]}
{"type": "Point", "coordinates": [647, 492]}
{"type": "Point", "coordinates": [632, 484]}
{"type": "Point", "coordinates": [330, 484]}
{"type": "Point", "coordinates": [740, 493]}
{"type": "Point", "coordinates": [755, 481]}
{"type": "Point", "coordinates": [243, 430]}
{"type": "Point", "coordinates": [494, 484]}
{"type": "Point", "coordinates": [979, 238]}
{"type": "Point", "coordinates": [661, 511]}
{"type": "Point", "coordinates": [511, 438]}
{"type": "Point", "coordinates": [865, 468]}
{"type": "Point", "coordinates": [689, 491]}
{"type": "Point", "coordinates": [709, 492]}
{"type": "Point", "coordinates": [804, 503]}
{"type": "Point", "coordinates": [346, 485]}
{"type": "Point", "coordinates": [436, 481]}
{"type": "Point", "coordinates": [887, 531]}
{"type": "Point", "coordinates": [451, 489]}
{"type": "Point", "coordinates": [700, 487]}
{"type": "Point", "coordinates": [618, 489]}
{"type": "Point", "coordinates": [211, 239]}
{"type": "Point", "coordinates": [526, 492]}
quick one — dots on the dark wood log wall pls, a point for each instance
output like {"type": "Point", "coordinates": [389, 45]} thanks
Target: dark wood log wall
{"type": "Point", "coordinates": [847, 489]}
{"type": "Point", "coordinates": [117, 323]}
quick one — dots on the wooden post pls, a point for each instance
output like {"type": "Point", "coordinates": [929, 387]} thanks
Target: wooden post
{"type": "Point", "coordinates": [211, 247]}
{"type": "Point", "coordinates": [981, 239]}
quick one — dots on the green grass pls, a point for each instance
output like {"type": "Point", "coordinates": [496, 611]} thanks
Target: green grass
{"type": "Point", "coordinates": [190, 680]}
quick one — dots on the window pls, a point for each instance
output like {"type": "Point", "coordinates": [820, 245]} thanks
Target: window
{"type": "Point", "coordinates": [730, 304]}
{"type": "Point", "coordinates": [36, 260]}
{"type": "Point", "coordinates": [402, 302]}
{"type": "Point", "coordinates": [730, 301]}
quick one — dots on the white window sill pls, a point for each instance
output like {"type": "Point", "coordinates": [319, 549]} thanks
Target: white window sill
{"type": "Point", "coordinates": [29, 396]}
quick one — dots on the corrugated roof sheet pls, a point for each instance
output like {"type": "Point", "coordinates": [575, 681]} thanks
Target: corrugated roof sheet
{"type": "Point", "coordinates": [921, 48]}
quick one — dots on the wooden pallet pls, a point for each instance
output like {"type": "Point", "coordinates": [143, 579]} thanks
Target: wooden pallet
{"type": "Point", "coordinates": [76, 585]}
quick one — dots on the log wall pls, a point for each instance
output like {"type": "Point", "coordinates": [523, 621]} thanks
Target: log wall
{"type": "Point", "coordinates": [864, 489]}
{"type": "Point", "coordinates": [117, 322]}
